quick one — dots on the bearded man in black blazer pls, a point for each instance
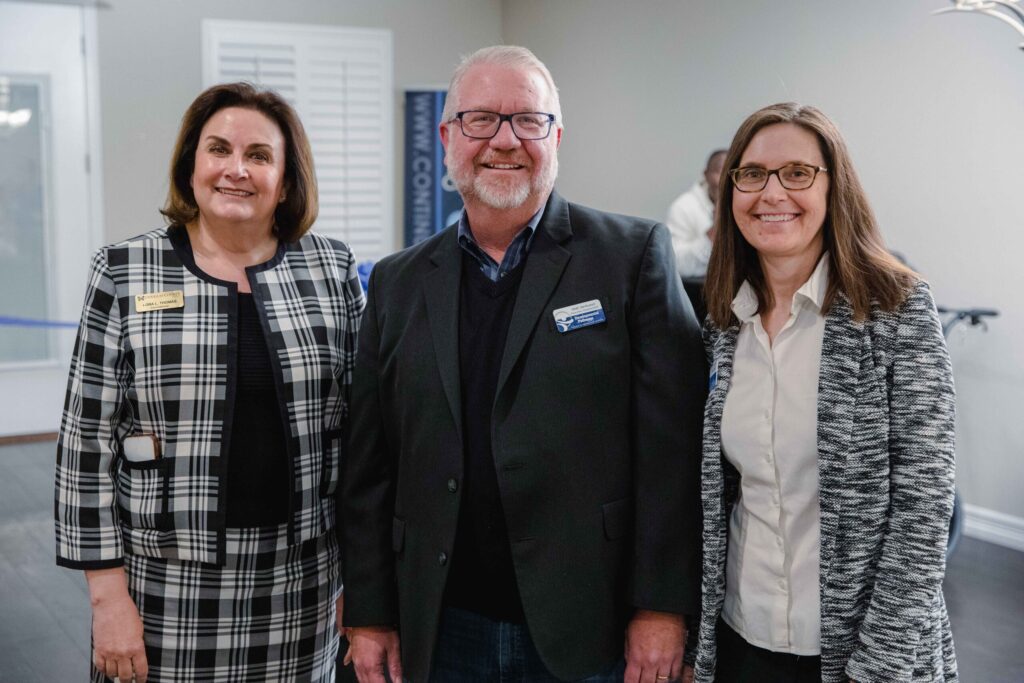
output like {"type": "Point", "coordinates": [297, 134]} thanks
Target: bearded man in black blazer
{"type": "Point", "coordinates": [520, 494]}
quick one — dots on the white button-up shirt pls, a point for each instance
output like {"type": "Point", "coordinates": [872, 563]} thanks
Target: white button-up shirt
{"type": "Point", "coordinates": [769, 433]}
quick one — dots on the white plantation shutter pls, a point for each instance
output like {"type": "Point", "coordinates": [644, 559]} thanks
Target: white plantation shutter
{"type": "Point", "coordinates": [340, 82]}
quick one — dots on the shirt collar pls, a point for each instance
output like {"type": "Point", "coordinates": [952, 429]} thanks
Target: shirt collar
{"type": "Point", "coordinates": [466, 233]}
{"type": "Point", "coordinates": [744, 304]}
{"type": "Point", "coordinates": [813, 291]}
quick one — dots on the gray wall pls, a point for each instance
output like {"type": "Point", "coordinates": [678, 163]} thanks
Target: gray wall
{"type": "Point", "coordinates": [151, 69]}
{"type": "Point", "coordinates": [930, 106]}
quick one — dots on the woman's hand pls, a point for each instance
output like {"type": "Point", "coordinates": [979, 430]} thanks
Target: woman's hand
{"type": "Point", "coordinates": [118, 647]}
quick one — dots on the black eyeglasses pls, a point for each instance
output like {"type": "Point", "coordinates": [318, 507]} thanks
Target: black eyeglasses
{"type": "Point", "coordinates": [484, 125]}
{"type": "Point", "coordinates": [791, 177]}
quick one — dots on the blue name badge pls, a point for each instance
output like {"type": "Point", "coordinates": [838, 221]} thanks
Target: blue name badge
{"type": "Point", "coordinates": [578, 315]}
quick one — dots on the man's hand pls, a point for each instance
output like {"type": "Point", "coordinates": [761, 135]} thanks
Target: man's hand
{"type": "Point", "coordinates": [339, 611]}
{"type": "Point", "coordinates": [687, 674]}
{"type": "Point", "coordinates": [375, 649]}
{"type": "Point", "coordinates": [654, 647]}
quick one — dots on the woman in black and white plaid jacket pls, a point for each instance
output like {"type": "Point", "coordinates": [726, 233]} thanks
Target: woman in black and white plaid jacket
{"type": "Point", "coordinates": [199, 448]}
{"type": "Point", "coordinates": [828, 437]}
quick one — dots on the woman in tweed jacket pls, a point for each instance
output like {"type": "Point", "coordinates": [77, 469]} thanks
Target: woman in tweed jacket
{"type": "Point", "coordinates": [200, 444]}
{"type": "Point", "coordinates": [828, 438]}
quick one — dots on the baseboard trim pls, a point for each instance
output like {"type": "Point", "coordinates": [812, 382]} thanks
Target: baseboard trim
{"type": "Point", "coordinates": [27, 438]}
{"type": "Point", "coordinates": [994, 527]}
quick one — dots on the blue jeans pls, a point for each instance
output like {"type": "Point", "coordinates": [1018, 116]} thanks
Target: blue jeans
{"type": "Point", "coordinates": [472, 648]}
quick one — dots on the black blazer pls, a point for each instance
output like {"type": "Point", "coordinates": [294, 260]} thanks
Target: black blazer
{"type": "Point", "coordinates": [596, 440]}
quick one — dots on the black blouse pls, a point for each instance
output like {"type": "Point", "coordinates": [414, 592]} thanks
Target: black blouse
{"type": "Point", "coordinates": [257, 474]}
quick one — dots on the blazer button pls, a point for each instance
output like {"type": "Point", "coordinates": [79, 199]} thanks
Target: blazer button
{"type": "Point", "coordinates": [442, 559]}
{"type": "Point", "coordinates": [453, 486]}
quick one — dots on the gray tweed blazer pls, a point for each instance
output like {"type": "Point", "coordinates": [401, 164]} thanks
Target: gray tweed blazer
{"type": "Point", "coordinates": [885, 466]}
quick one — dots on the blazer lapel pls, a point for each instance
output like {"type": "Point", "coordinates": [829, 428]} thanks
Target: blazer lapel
{"type": "Point", "coordinates": [837, 389]}
{"type": "Point", "coordinates": [542, 271]}
{"type": "Point", "coordinates": [441, 289]}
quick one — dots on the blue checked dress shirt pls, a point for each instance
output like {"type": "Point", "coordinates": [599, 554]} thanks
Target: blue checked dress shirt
{"type": "Point", "coordinates": [514, 255]}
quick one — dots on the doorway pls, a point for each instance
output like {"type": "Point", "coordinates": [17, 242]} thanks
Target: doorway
{"type": "Point", "coordinates": [49, 203]}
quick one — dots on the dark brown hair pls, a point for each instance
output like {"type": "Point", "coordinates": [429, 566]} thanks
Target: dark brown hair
{"type": "Point", "coordinates": [860, 267]}
{"type": "Point", "coordinates": [296, 213]}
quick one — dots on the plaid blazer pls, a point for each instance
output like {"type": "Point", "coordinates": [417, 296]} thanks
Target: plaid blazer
{"type": "Point", "coordinates": [171, 372]}
{"type": "Point", "coordinates": [885, 469]}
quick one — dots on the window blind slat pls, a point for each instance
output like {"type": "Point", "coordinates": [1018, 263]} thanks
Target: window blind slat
{"type": "Point", "coordinates": [339, 81]}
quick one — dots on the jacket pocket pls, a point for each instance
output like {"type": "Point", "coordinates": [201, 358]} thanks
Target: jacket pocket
{"type": "Point", "coordinates": [330, 464]}
{"type": "Point", "coordinates": [397, 534]}
{"type": "Point", "coordinates": [143, 493]}
{"type": "Point", "coordinates": [618, 518]}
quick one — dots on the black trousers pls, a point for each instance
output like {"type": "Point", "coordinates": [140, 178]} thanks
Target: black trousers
{"type": "Point", "coordinates": [740, 662]}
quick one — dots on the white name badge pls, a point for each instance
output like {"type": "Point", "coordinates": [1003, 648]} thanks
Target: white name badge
{"type": "Point", "coordinates": [578, 315]}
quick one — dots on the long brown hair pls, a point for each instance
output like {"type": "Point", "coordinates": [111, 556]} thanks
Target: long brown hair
{"type": "Point", "coordinates": [860, 267]}
{"type": "Point", "coordinates": [295, 215]}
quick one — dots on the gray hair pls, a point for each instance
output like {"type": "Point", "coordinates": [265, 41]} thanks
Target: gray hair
{"type": "Point", "coordinates": [512, 56]}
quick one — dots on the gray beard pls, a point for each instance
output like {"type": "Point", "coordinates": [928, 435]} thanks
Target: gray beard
{"type": "Point", "coordinates": [500, 198]}
{"type": "Point", "coordinates": [503, 198]}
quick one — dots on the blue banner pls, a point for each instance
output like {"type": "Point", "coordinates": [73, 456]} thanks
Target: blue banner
{"type": "Point", "coordinates": [431, 201]}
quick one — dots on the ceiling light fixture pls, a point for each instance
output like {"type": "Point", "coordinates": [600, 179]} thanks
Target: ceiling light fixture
{"type": "Point", "coordinates": [1008, 11]}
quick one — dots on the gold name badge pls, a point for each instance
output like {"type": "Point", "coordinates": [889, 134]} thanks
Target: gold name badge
{"type": "Point", "coordinates": [159, 301]}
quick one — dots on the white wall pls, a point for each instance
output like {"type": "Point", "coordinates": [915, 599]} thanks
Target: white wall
{"type": "Point", "coordinates": [930, 106]}
{"type": "Point", "coordinates": [151, 70]}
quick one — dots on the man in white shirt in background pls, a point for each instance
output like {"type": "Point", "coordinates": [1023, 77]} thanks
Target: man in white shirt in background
{"type": "Point", "coordinates": [690, 218]}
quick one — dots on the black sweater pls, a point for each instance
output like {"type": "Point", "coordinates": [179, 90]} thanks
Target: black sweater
{"type": "Point", "coordinates": [482, 577]}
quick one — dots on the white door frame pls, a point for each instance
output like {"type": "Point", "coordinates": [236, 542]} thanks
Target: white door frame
{"type": "Point", "coordinates": [34, 391]}
{"type": "Point", "coordinates": [94, 126]}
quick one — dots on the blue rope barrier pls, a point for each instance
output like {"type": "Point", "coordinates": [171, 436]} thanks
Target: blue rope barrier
{"type": "Point", "coordinates": [363, 269]}
{"type": "Point", "coordinates": [11, 321]}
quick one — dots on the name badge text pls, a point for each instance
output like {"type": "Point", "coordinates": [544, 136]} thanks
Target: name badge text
{"type": "Point", "coordinates": [156, 301]}
{"type": "Point", "coordinates": [578, 315]}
